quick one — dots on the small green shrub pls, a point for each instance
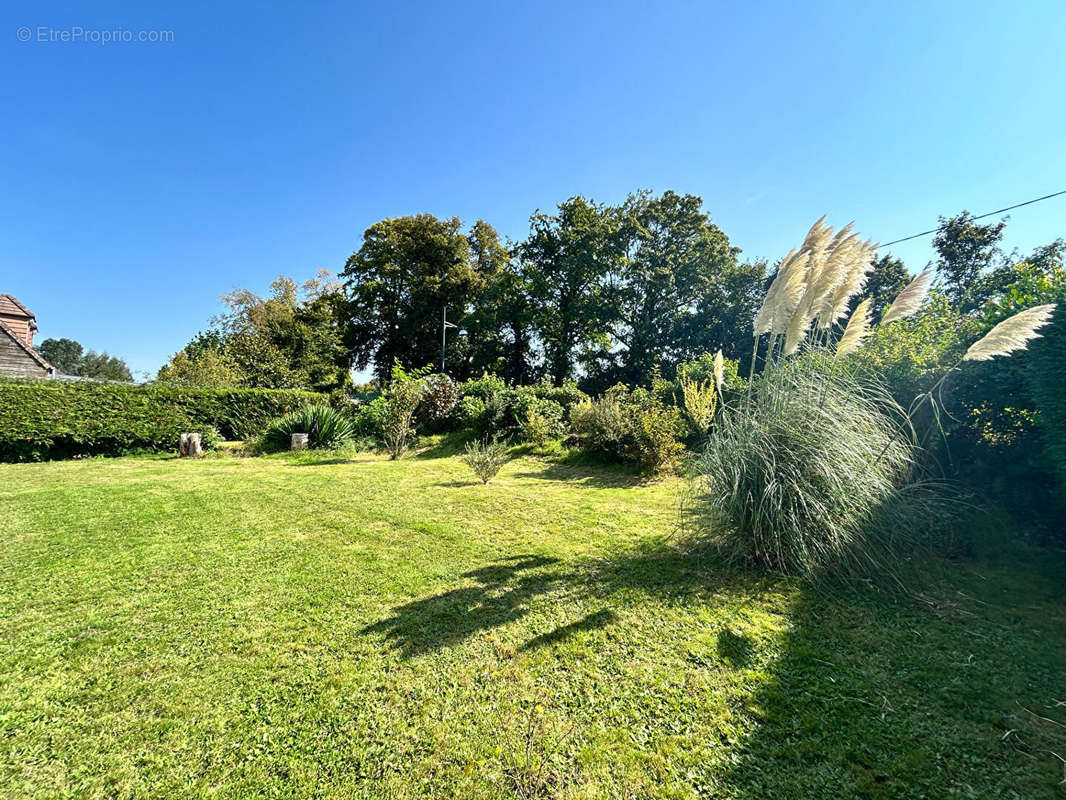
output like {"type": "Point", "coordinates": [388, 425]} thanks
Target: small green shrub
{"type": "Point", "coordinates": [326, 428]}
{"type": "Point", "coordinates": [369, 418]}
{"type": "Point", "coordinates": [401, 402]}
{"type": "Point", "coordinates": [485, 458]}
{"type": "Point", "coordinates": [634, 427]}
{"type": "Point", "coordinates": [701, 400]}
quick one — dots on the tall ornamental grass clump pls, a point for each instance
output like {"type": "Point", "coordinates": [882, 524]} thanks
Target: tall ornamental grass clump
{"type": "Point", "coordinates": [808, 474]}
{"type": "Point", "coordinates": [326, 428]}
{"type": "Point", "coordinates": [811, 471]}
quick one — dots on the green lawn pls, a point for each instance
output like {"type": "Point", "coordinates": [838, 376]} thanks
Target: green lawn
{"type": "Point", "coordinates": [319, 628]}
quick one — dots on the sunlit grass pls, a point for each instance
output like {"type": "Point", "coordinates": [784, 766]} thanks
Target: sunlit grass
{"type": "Point", "coordinates": [346, 626]}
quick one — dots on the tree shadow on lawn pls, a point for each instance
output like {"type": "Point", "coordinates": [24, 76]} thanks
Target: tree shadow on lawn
{"type": "Point", "coordinates": [862, 693]}
{"type": "Point", "coordinates": [507, 590]}
{"type": "Point", "coordinates": [599, 476]}
{"type": "Point", "coordinates": [502, 594]}
{"type": "Point", "coordinates": [881, 695]}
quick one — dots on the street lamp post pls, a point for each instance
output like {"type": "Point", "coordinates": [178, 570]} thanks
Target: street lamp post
{"type": "Point", "coordinates": [444, 335]}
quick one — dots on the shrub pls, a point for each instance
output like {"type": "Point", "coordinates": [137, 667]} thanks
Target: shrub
{"type": "Point", "coordinates": [567, 395]}
{"type": "Point", "coordinates": [326, 428]}
{"type": "Point", "coordinates": [60, 419]}
{"type": "Point", "coordinates": [370, 417]}
{"type": "Point", "coordinates": [700, 400]}
{"type": "Point", "coordinates": [439, 397]}
{"type": "Point", "coordinates": [485, 458]}
{"type": "Point", "coordinates": [629, 427]}
{"type": "Point", "coordinates": [484, 387]}
{"type": "Point", "coordinates": [401, 402]}
{"type": "Point", "coordinates": [469, 412]}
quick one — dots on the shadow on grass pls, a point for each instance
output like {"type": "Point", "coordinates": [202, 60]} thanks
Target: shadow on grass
{"type": "Point", "coordinates": [858, 693]}
{"type": "Point", "coordinates": [502, 594]}
{"type": "Point", "coordinates": [594, 621]}
{"type": "Point", "coordinates": [597, 475]}
{"type": "Point", "coordinates": [506, 591]}
{"type": "Point", "coordinates": [896, 695]}
{"type": "Point", "coordinates": [444, 445]}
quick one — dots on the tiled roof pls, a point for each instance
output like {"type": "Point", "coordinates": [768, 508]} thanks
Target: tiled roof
{"type": "Point", "coordinates": [9, 305]}
{"type": "Point", "coordinates": [29, 350]}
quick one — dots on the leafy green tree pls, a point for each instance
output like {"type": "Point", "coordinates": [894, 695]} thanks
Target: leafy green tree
{"type": "Point", "coordinates": [104, 367]}
{"type": "Point", "coordinates": [407, 271]}
{"type": "Point", "coordinates": [63, 354]}
{"type": "Point", "coordinates": [966, 249]}
{"type": "Point", "coordinates": [290, 339]}
{"type": "Point", "coordinates": [675, 279]}
{"type": "Point", "coordinates": [207, 368]}
{"type": "Point", "coordinates": [498, 329]}
{"type": "Point", "coordinates": [70, 357]}
{"type": "Point", "coordinates": [566, 260]}
{"type": "Point", "coordinates": [888, 279]}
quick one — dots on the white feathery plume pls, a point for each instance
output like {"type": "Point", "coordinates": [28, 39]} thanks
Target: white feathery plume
{"type": "Point", "coordinates": [910, 299]}
{"type": "Point", "coordinates": [1013, 333]}
{"type": "Point", "coordinates": [719, 371]}
{"type": "Point", "coordinates": [857, 329]}
{"type": "Point", "coordinates": [764, 320]}
{"type": "Point", "coordinates": [859, 269]}
{"type": "Point", "coordinates": [818, 236]}
{"type": "Point", "coordinates": [842, 256]}
{"type": "Point", "coordinates": [791, 293]}
{"type": "Point", "coordinates": [796, 330]}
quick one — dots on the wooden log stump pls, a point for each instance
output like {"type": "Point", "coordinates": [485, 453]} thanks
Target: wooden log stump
{"type": "Point", "coordinates": [299, 441]}
{"type": "Point", "coordinates": [190, 445]}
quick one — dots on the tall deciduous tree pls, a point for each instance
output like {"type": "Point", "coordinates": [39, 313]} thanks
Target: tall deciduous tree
{"type": "Point", "coordinates": [407, 271]}
{"type": "Point", "coordinates": [70, 357]}
{"type": "Point", "coordinates": [886, 281]}
{"type": "Point", "coordinates": [566, 260]}
{"type": "Point", "coordinates": [498, 328]}
{"type": "Point", "coordinates": [675, 266]}
{"type": "Point", "coordinates": [965, 249]}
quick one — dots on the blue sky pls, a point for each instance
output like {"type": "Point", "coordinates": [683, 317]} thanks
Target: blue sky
{"type": "Point", "coordinates": [142, 180]}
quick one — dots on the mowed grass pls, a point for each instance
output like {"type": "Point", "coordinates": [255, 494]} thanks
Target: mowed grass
{"type": "Point", "coordinates": [323, 628]}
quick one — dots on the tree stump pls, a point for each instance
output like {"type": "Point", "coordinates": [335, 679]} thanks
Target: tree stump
{"type": "Point", "coordinates": [190, 445]}
{"type": "Point", "coordinates": [299, 441]}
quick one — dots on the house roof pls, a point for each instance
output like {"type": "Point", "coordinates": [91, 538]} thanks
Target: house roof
{"type": "Point", "coordinates": [29, 350]}
{"type": "Point", "coordinates": [9, 305]}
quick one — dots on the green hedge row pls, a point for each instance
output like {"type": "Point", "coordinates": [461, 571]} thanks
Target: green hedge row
{"type": "Point", "coordinates": [56, 419]}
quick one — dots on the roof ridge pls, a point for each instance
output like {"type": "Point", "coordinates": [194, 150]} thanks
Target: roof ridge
{"type": "Point", "coordinates": [32, 353]}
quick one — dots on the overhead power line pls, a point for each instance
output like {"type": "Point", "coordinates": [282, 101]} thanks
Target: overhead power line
{"type": "Point", "coordinates": [982, 216]}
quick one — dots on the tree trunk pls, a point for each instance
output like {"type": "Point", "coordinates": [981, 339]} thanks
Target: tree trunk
{"type": "Point", "coordinates": [190, 445]}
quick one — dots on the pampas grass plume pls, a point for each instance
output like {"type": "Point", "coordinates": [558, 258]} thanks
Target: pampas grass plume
{"type": "Point", "coordinates": [857, 329]}
{"type": "Point", "coordinates": [910, 299]}
{"type": "Point", "coordinates": [1013, 333]}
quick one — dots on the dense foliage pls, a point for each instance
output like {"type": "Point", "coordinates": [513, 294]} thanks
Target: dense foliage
{"type": "Point", "coordinates": [806, 474]}
{"type": "Point", "coordinates": [292, 339]}
{"type": "Point", "coordinates": [53, 419]}
{"type": "Point", "coordinates": [325, 428]}
{"type": "Point", "coordinates": [69, 357]}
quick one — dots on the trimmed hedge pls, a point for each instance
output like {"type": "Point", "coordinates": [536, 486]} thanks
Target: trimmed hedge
{"type": "Point", "coordinates": [1047, 380]}
{"type": "Point", "coordinates": [57, 419]}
